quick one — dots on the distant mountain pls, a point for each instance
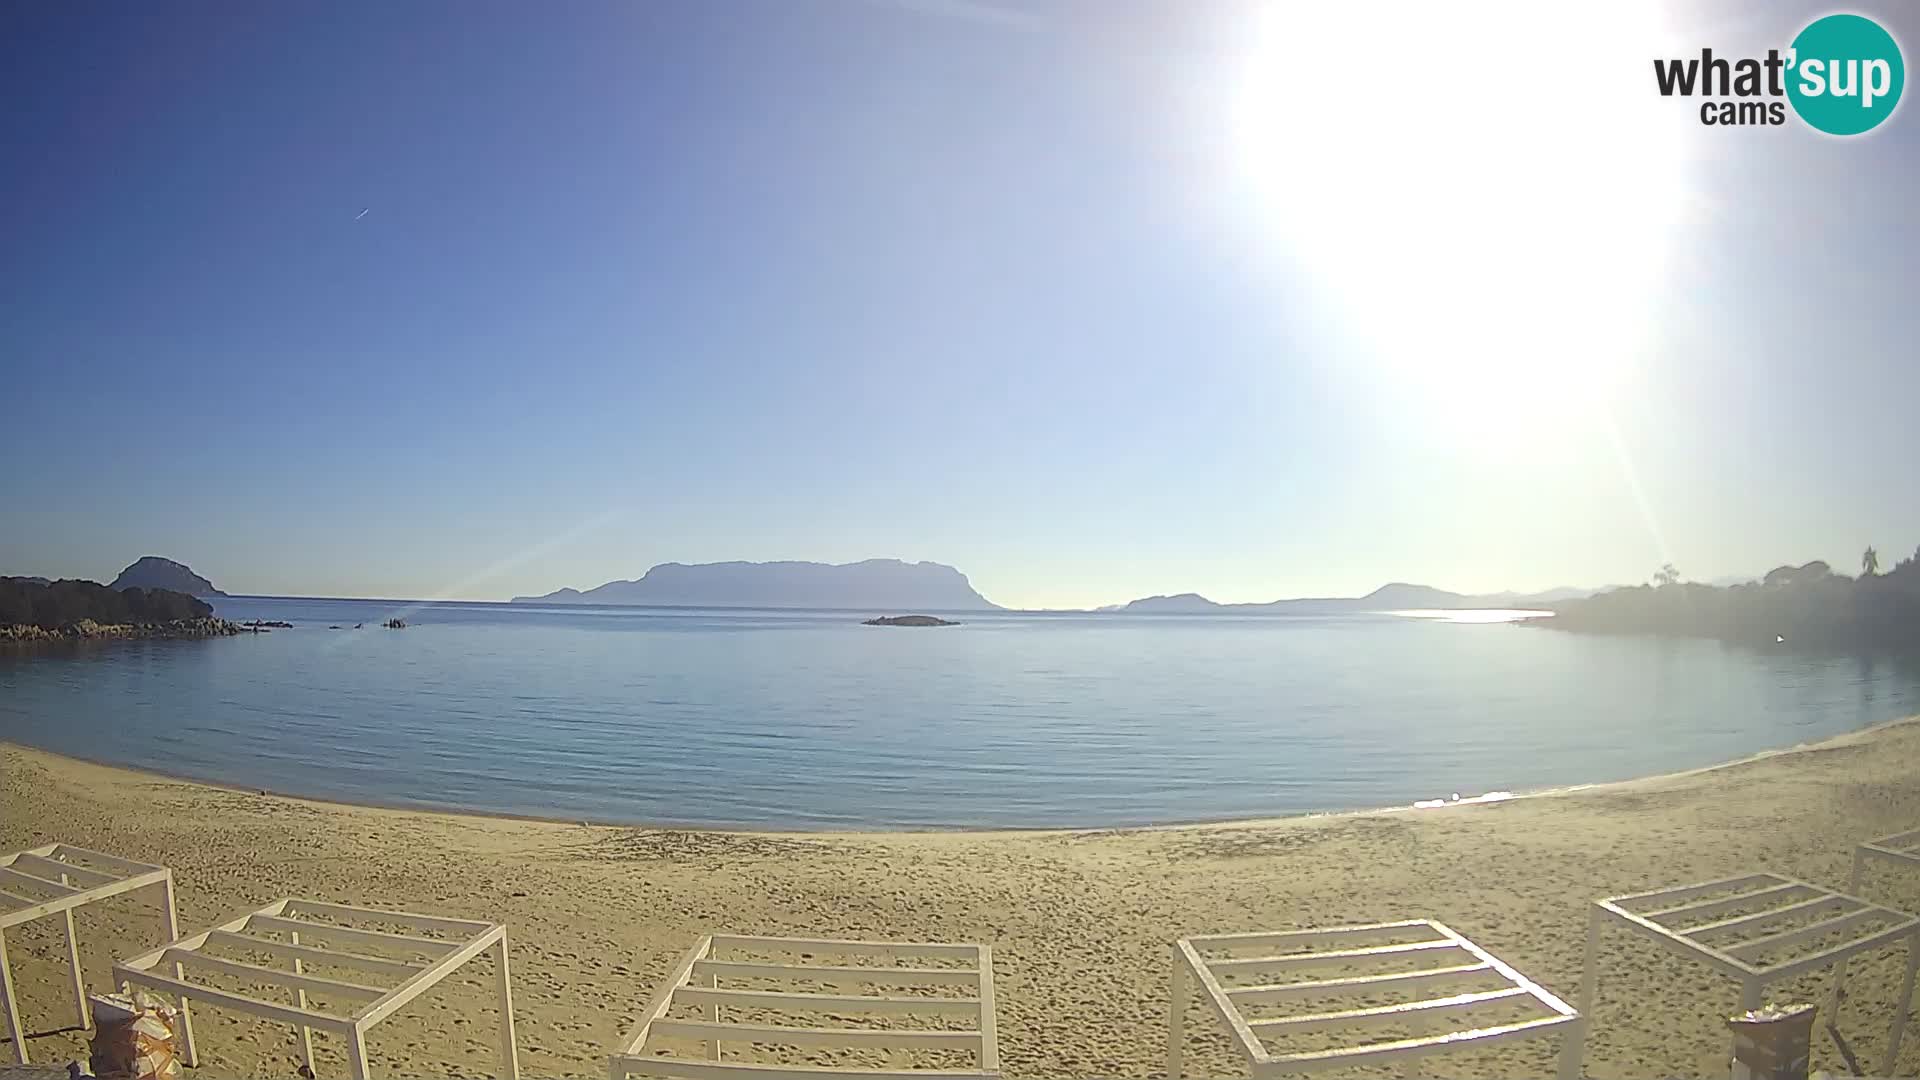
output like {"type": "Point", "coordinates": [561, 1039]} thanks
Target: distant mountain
{"type": "Point", "coordinates": [154, 572]}
{"type": "Point", "coordinates": [27, 580]}
{"type": "Point", "coordinates": [876, 584]}
{"type": "Point", "coordinates": [1186, 603]}
{"type": "Point", "coordinates": [1539, 599]}
{"type": "Point", "coordinates": [1399, 595]}
{"type": "Point", "coordinates": [1396, 596]}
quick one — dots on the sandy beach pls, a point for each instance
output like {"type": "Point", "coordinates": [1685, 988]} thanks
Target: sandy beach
{"type": "Point", "coordinates": [1080, 922]}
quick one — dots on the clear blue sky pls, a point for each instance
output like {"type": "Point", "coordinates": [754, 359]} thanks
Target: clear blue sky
{"type": "Point", "coordinates": [1093, 300]}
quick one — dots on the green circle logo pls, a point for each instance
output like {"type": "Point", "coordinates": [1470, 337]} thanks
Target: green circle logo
{"type": "Point", "coordinates": [1847, 74]}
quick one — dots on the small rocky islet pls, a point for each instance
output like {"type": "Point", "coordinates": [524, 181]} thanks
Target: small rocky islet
{"type": "Point", "coordinates": [907, 620]}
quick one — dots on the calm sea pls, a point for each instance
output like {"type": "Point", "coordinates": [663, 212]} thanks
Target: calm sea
{"type": "Point", "coordinates": [806, 719]}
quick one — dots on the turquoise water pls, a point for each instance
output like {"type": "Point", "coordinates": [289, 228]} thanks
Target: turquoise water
{"type": "Point", "coordinates": [807, 719]}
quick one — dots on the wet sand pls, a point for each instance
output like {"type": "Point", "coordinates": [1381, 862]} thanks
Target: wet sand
{"type": "Point", "coordinates": [1080, 922]}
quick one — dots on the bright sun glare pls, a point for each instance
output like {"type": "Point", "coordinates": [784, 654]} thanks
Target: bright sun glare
{"type": "Point", "coordinates": [1482, 192]}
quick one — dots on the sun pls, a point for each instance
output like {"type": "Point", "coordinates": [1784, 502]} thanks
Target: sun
{"type": "Point", "coordinates": [1483, 194]}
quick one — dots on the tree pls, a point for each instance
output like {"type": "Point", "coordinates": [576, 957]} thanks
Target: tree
{"type": "Point", "coordinates": [1667, 575]}
{"type": "Point", "coordinates": [1869, 562]}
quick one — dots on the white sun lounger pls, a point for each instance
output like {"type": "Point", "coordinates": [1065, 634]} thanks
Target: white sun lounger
{"type": "Point", "coordinates": [1757, 929]}
{"type": "Point", "coordinates": [389, 969]}
{"type": "Point", "coordinates": [951, 982]}
{"type": "Point", "coordinates": [1900, 849]}
{"type": "Point", "coordinates": [53, 880]}
{"type": "Point", "coordinates": [1445, 978]}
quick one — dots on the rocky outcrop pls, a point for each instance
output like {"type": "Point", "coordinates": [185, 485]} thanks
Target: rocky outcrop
{"type": "Point", "coordinates": [908, 620]}
{"type": "Point", "coordinates": [88, 630]}
{"type": "Point", "coordinates": [73, 610]}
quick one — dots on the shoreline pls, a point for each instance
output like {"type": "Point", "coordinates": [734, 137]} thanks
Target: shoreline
{"type": "Point", "coordinates": [87, 632]}
{"type": "Point", "coordinates": [1079, 920]}
{"type": "Point", "coordinates": [1481, 800]}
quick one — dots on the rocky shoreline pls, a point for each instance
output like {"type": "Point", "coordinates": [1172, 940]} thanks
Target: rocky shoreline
{"type": "Point", "coordinates": [88, 630]}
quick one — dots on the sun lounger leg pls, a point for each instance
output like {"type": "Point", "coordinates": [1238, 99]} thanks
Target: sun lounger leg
{"type": "Point", "coordinates": [1854, 881]}
{"type": "Point", "coordinates": [357, 1053]}
{"type": "Point", "coordinates": [14, 1030]}
{"type": "Point", "coordinates": [73, 961]}
{"type": "Point", "coordinates": [1901, 1007]}
{"type": "Point", "coordinates": [1752, 994]}
{"type": "Point", "coordinates": [1177, 1018]}
{"type": "Point", "coordinates": [1573, 1048]}
{"type": "Point", "coordinates": [713, 1017]}
{"type": "Point", "coordinates": [509, 1056]}
{"type": "Point", "coordinates": [300, 999]}
{"type": "Point", "coordinates": [188, 1055]}
{"type": "Point", "coordinates": [989, 1029]}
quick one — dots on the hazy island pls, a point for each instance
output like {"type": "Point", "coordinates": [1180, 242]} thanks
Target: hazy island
{"type": "Point", "coordinates": [871, 584]}
{"type": "Point", "coordinates": [1806, 606]}
{"type": "Point", "coordinates": [34, 611]}
{"type": "Point", "coordinates": [907, 620]}
{"type": "Point", "coordinates": [154, 572]}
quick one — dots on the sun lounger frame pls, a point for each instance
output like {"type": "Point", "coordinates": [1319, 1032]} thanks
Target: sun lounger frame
{"type": "Point", "coordinates": [1350, 943]}
{"type": "Point", "coordinates": [1725, 944]}
{"type": "Point", "coordinates": [54, 879]}
{"type": "Point", "coordinates": [467, 939]}
{"type": "Point", "coordinates": [1901, 850]}
{"type": "Point", "coordinates": [696, 979]}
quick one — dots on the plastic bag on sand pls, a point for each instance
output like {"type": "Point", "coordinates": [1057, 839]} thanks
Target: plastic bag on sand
{"type": "Point", "coordinates": [133, 1039]}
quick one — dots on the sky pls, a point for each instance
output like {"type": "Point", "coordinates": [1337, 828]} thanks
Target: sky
{"type": "Point", "coordinates": [1093, 300]}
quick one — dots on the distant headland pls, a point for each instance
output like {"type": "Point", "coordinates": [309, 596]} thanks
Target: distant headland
{"type": "Point", "coordinates": [152, 598]}
{"type": "Point", "coordinates": [874, 583]}
{"type": "Point", "coordinates": [34, 611]}
{"type": "Point", "coordinates": [1396, 596]}
{"type": "Point", "coordinates": [1794, 607]}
